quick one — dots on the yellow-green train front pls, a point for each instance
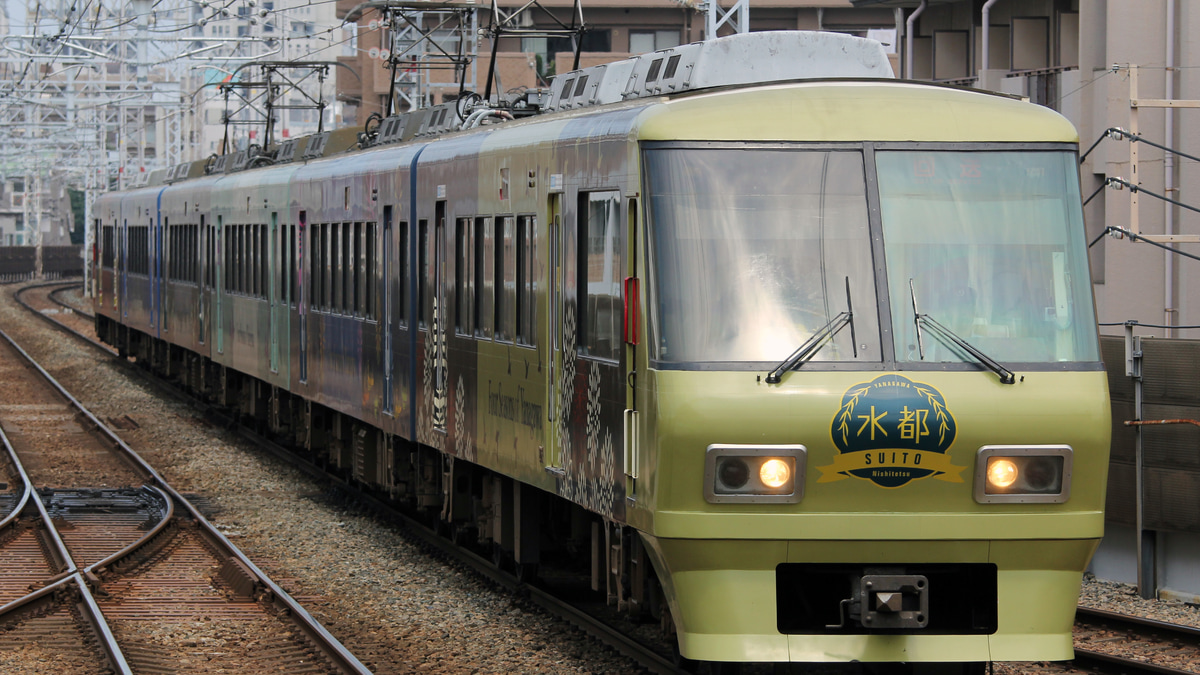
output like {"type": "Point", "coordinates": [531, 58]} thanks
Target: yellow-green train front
{"type": "Point", "coordinates": [891, 497]}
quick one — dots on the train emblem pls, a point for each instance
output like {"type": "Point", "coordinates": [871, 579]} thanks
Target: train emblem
{"type": "Point", "coordinates": [892, 431]}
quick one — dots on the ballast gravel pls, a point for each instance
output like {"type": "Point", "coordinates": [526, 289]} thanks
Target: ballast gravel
{"type": "Point", "coordinates": [396, 607]}
{"type": "Point", "coordinates": [399, 609]}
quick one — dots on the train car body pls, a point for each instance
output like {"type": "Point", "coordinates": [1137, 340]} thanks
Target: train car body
{"type": "Point", "coordinates": [586, 316]}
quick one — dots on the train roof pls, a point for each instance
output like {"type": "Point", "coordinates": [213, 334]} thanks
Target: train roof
{"type": "Point", "coordinates": [853, 111]}
{"type": "Point", "coordinates": [794, 85]}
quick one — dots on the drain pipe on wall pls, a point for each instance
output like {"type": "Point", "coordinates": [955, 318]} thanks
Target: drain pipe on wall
{"type": "Point", "coordinates": [985, 57]}
{"type": "Point", "coordinates": [1169, 177]}
{"type": "Point", "coordinates": [908, 39]}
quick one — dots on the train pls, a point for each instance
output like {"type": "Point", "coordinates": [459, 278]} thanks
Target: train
{"type": "Point", "coordinates": [796, 358]}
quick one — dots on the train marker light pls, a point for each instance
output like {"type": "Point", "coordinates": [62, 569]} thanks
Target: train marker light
{"type": "Point", "coordinates": [754, 474]}
{"type": "Point", "coordinates": [734, 473]}
{"type": "Point", "coordinates": [1023, 474]}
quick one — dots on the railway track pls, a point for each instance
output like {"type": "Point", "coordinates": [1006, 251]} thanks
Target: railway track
{"type": "Point", "coordinates": [104, 560]}
{"type": "Point", "coordinates": [39, 297]}
{"type": "Point", "coordinates": [45, 301]}
{"type": "Point", "coordinates": [1113, 642]}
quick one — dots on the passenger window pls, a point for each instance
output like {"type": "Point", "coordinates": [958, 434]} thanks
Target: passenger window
{"type": "Point", "coordinates": [370, 282]}
{"type": "Point", "coordinates": [462, 276]}
{"type": "Point", "coordinates": [599, 276]}
{"type": "Point", "coordinates": [422, 272]}
{"type": "Point", "coordinates": [403, 276]}
{"type": "Point", "coordinates": [506, 278]}
{"type": "Point", "coordinates": [484, 290]}
{"type": "Point", "coordinates": [526, 238]}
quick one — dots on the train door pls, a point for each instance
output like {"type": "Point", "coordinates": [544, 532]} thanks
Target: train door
{"type": "Point", "coordinates": [555, 280]}
{"type": "Point", "coordinates": [387, 317]}
{"type": "Point", "coordinates": [301, 305]}
{"type": "Point", "coordinates": [274, 290]}
{"type": "Point", "coordinates": [438, 329]}
{"type": "Point", "coordinates": [630, 292]}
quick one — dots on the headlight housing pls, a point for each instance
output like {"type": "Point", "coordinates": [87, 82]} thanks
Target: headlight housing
{"type": "Point", "coordinates": [754, 474]}
{"type": "Point", "coordinates": [1023, 474]}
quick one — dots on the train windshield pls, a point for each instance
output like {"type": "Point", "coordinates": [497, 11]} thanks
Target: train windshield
{"type": "Point", "coordinates": [991, 245]}
{"type": "Point", "coordinates": [752, 250]}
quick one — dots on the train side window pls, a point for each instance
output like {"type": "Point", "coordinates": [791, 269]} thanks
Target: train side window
{"type": "Point", "coordinates": [210, 247]}
{"type": "Point", "coordinates": [264, 262]}
{"type": "Point", "coordinates": [462, 275]}
{"type": "Point", "coordinates": [237, 259]}
{"type": "Point", "coordinates": [484, 290]}
{"type": "Point", "coordinates": [357, 265]}
{"type": "Point", "coordinates": [292, 269]}
{"type": "Point", "coordinates": [194, 258]}
{"type": "Point", "coordinates": [242, 259]}
{"type": "Point", "coordinates": [335, 258]}
{"type": "Point", "coordinates": [526, 242]}
{"type": "Point", "coordinates": [369, 280]}
{"type": "Point", "coordinates": [506, 277]}
{"type": "Point", "coordinates": [599, 274]}
{"type": "Point", "coordinates": [281, 265]}
{"type": "Point", "coordinates": [179, 251]}
{"type": "Point", "coordinates": [349, 256]}
{"type": "Point", "coordinates": [326, 272]}
{"type": "Point", "coordinates": [422, 272]}
{"type": "Point", "coordinates": [230, 255]}
{"type": "Point", "coordinates": [252, 259]}
{"type": "Point", "coordinates": [314, 265]}
{"type": "Point", "coordinates": [321, 258]}
{"type": "Point", "coordinates": [346, 262]}
{"type": "Point", "coordinates": [107, 247]}
{"type": "Point", "coordinates": [402, 272]}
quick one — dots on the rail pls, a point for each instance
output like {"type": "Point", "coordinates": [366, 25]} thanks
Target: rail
{"type": "Point", "coordinates": [319, 637]}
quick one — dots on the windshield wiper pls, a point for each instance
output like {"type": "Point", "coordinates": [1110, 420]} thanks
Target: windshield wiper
{"type": "Point", "coordinates": [823, 335]}
{"type": "Point", "coordinates": [1006, 376]}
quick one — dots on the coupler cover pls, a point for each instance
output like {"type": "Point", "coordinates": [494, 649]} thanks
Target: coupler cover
{"type": "Point", "coordinates": [894, 600]}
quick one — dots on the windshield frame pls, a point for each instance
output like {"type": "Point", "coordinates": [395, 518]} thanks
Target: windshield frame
{"type": "Point", "coordinates": [883, 293]}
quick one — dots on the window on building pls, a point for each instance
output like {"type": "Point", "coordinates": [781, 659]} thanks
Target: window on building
{"type": "Point", "coordinates": [643, 41]}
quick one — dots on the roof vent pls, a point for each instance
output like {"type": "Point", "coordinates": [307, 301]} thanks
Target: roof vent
{"type": "Point", "coordinates": [742, 59]}
{"type": "Point", "coordinates": [287, 151]}
{"type": "Point", "coordinates": [238, 161]}
{"type": "Point", "coordinates": [316, 146]}
{"type": "Point", "coordinates": [440, 119]}
{"type": "Point", "coordinates": [391, 130]}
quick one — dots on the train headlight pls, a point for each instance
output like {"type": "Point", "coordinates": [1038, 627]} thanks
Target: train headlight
{"type": "Point", "coordinates": [1023, 474]}
{"type": "Point", "coordinates": [749, 474]}
{"type": "Point", "coordinates": [775, 473]}
{"type": "Point", "coordinates": [1001, 473]}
